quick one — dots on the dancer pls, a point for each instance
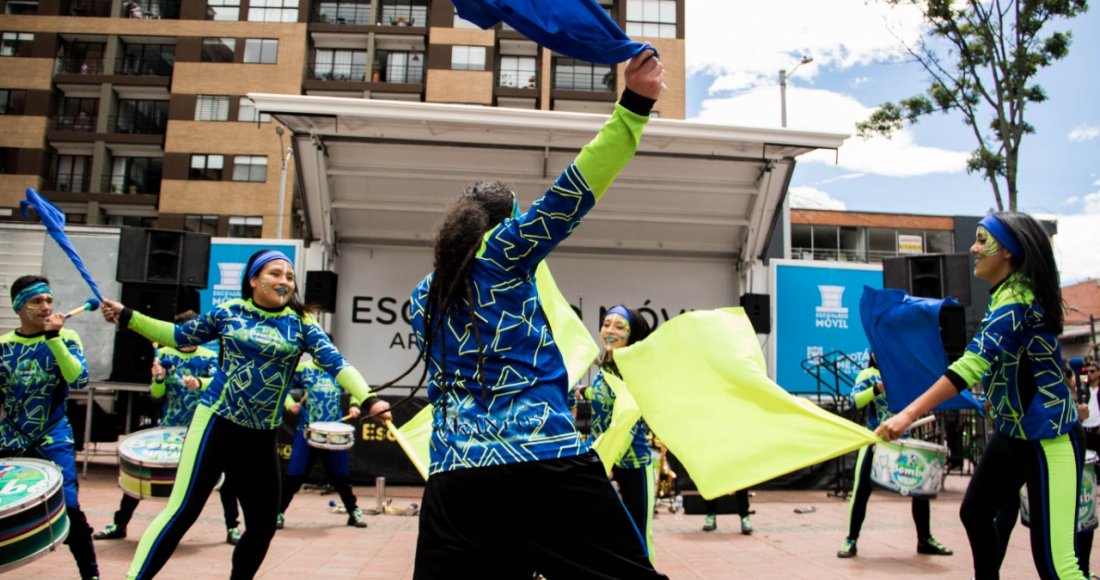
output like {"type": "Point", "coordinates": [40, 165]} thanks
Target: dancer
{"type": "Point", "coordinates": [502, 432]}
{"type": "Point", "coordinates": [179, 376]}
{"type": "Point", "coordinates": [1090, 421]}
{"type": "Point", "coordinates": [321, 396]}
{"type": "Point", "coordinates": [871, 390]}
{"type": "Point", "coordinates": [235, 425]}
{"type": "Point", "coordinates": [1037, 440]}
{"type": "Point", "coordinates": [39, 362]}
{"type": "Point", "coordinates": [711, 522]}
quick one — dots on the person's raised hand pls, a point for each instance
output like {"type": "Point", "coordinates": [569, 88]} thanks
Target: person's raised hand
{"type": "Point", "coordinates": [111, 310]}
{"type": "Point", "coordinates": [645, 74]}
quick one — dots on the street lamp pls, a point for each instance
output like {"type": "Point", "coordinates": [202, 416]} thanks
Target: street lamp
{"type": "Point", "coordinates": [783, 74]}
{"type": "Point", "coordinates": [282, 178]}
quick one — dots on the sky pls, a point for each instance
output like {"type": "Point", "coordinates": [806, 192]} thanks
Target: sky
{"type": "Point", "coordinates": [736, 49]}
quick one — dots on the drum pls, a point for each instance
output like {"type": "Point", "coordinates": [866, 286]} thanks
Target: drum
{"type": "Point", "coordinates": [909, 467]}
{"type": "Point", "coordinates": [147, 462]}
{"type": "Point", "coordinates": [330, 435]}
{"type": "Point", "coordinates": [1086, 504]}
{"type": "Point", "coordinates": [32, 511]}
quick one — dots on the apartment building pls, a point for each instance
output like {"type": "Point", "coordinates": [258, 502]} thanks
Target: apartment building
{"type": "Point", "coordinates": [133, 112]}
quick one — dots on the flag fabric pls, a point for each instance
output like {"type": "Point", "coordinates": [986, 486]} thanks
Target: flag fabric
{"type": "Point", "coordinates": [54, 220]}
{"type": "Point", "coordinates": [613, 443]}
{"type": "Point", "coordinates": [581, 29]}
{"type": "Point", "coordinates": [415, 437]}
{"type": "Point", "coordinates": [904, 332]}
{"type": "Point", "coordinates": [701, 383]}
{"type": "Point", "coordinates": [576, 344]}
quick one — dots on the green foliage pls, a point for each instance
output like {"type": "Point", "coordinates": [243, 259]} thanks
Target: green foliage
{"type": "Point", "coordinates": [981, 57]}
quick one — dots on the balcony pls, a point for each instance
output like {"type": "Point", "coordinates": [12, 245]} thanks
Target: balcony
{"type": "Point", "coordinates": [148, 66]}
{"type": "Point", "coordinates": [343, 13]}
{"type": "Point", "coordinates": [135, 123]}
{"type": "Point", "coordinates": [73, 124]}
{"type": "Point", "coordinates": [125, 185]}
{"type": "Point", "coordinates": [78, 66]}
{"type": "Point", "coordinates": [101, 8]}
{"type": "Point", "coordinates": [150, 10]}
{"type": "Point", "coordinates": [68, 184]}
{"type": "Point", "coordinates": [356, 73]}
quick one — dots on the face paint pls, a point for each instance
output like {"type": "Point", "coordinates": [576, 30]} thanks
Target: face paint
{"type": "Point", "coordinates": [991, 245]}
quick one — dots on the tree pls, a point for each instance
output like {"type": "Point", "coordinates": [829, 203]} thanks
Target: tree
{"type": "Point", "coordinates": [993, 49]}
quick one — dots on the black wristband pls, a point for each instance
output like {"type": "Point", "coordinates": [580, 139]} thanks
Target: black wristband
{"type": "Point", "coordinates": [366, 404]}
{"type": "Point", "coordinates": [636, 103]}
{"type": "Point", "coordinates": [124, 317]}
{"type": "Point", "coordinates": [53, 334]}
{"type": "Point", "coordinates": [959, 382]}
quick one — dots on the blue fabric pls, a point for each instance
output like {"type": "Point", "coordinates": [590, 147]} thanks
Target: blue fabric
{"type": "Point", "coordinates": [300, 453]}
{"type": "Point", "coordinates": [265, 257]}
{"type": "Point", "coordinates": [603, 403]}
{"type": "Point", "coordinates": [621, 311]}
{"type": "Point", "coordinates": [904, 333]}
{"type": "Point", "coordinates": [323, 395]}
{"type": "Point", "coordinates": [33, 387]}
{"type": "Point", "coordinates": [180, 401]}
{"type": "Point", "coordinates": [29, 292]}
{"type": "Point", "coordinates": [1002, 234]}
{"type": "Point", "coordinates": [54, 220]}
{"type": "Point", "coordinates": [60, 450]}
{"type": "Point", "coordinates": [581, 29]}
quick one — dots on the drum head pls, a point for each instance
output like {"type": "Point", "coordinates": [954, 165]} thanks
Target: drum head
{"type": "Point", "coordinates": [331, 427]}
{"type": "Point", "coordinates": [159, 447]}
{"type": "Point", "coordinates": [25, 482]}
{"type": "Point", "coordinates": [1091, 456]}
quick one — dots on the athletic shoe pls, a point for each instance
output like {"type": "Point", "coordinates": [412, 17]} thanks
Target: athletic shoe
{"type": "Point", "coordinates": [111, 532]}
{"type": "Point", "coordinates": [711, 523]}
{"type": "Point", "coordinates": [847, 550]}
{"type": "Point", "coordinates": [355, 518]}
{"type": "Point", "coordinates": [232, 536]}
{"type": "Point", "coordinates": [930, 546]}
{"type": "Point", "coordinates": [746, 527]}
{"type": "Point", "coordinates": [279, 521]}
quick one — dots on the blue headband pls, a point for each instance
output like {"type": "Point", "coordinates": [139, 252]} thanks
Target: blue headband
{"type": "Point", "coordinates": [621, 311]}
{"type": "Point", "coordinates": [265, 257]}
{"type": "Point", "coordinates": [29, 292]}
{"type": "Point", "coordinates": [996, 227]}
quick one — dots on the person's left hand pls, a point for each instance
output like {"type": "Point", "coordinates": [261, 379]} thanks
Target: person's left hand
{"type": "Point", "coordinates": [380, 411]}
{"type": "Point", "coordinates": [55, 321]}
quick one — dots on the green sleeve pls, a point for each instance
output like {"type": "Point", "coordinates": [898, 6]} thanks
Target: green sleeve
{"type": "Point", "coordinates": [153, 329]}
{"type": "Point", "coordinates": [288, 402]}
{"type": "Point", "coordinates": [608, 153]}
{"type": "Point", "coordinates": [205, 382]}
{"type": "Point", "coordinates": [970, 367]}
{"type": "Point", "coordinates": [354, 383]}
{"type": "Point", "coordinates": [863, 397]}
{"type": "Point", "coordinates": [70, 365]}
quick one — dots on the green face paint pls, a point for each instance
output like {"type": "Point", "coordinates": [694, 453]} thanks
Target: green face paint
{"type": "Point", "coordinates": [991, 244]}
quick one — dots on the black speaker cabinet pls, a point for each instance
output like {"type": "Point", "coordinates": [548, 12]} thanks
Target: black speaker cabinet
{"type": "Point", "coordinates": [148, 256]}
{"type": "Point", "coordinates": [758, 309]}
{"type": "Point", "coordinates": [134, 353]}
{"type": "Point", "coordinates": [321, 289]}
{"type": "Point", "coordinates": [930, 275]}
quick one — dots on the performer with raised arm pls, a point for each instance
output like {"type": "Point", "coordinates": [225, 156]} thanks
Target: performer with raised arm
{"type": "Point", "coordinates": [234, 428]}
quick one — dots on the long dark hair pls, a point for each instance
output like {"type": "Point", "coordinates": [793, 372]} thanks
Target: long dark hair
{"type": "Point", "coordinates": [639, 330]}
{"type": "Point", "coordinates": [295, 303]}
{"type": "Point", "coordinates": [1037, 266]}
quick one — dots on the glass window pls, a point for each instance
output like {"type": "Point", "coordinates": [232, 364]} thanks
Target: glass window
{"type": "Point", "coordinates": [403, 13]}
{"type": "Point", "coordinates": [343, 12]}
{"type": "Point", "coordinates": [211, 108]}
{"type": "Point", "coordinates": [881, 243]}
{"type": "Point", "coordinates": [652, 18]}
{"type": "Point", "coordinates": [223, 10]}
{"type": "Point", "coordinates": [404, 67]}
{"type": "Point", "coordinates": [273, 11]}
{"type": "Point", "coordinates": [72, 172]}
{"type": "Point", "coordinates": [141, 116]}
{"type": "Point", "coordinates": [578, 75]}
{"type": "Point", "coordinates": [206, 167]}
{"type": "Point", "coordinates": [802, 242]}
{"type": "Point", "coordinates": [250, 168]}
{"type": "Point", "coordinates": [518, 72]}
{"type": "Point", "coordinates": [203, 224]}
{"type": "Point", "coordinates": [245, 227]}
{"type": "Point", "coordinates": [939, 241]}
{"type": "Point", "coordinates": [825, 242]}
{"type": "Point", "coordinates": [246, 111]}
{"type": "Point", "coordinates": [468, 58]}
{"type": "Point", "coordinates": [910, 242]}
{"type": "Point", "coordinates": [135, 175]}
{"type": "Point", "coordinates": [852, 246]}
{"type": "Point", "coordinates": [21, 7]}
{"type": "Point", "coordinates": [339, 65]}
{"type": "Point", "coordinates": [15, 43]}
{"type": "Point", "coordinates": [148, 59]}
{"type": "Point", "coordinates": [218, 49]}
{"type": "Point", "coordinates": [261, 50]}
{"type": "Point", "coordinates": [12, 102]}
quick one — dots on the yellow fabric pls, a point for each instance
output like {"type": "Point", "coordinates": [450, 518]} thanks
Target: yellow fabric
{"type": "Point", "coordinates": [577, 346]}
{"type": "Point", "coordinates": [415, 437]}
{"type": "Point", "coordinates": [702, 385]}
{"type": "Point", "coordinates": [613, 443]}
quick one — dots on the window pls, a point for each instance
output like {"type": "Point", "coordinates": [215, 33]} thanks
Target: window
{"type": "Point", "coordinates": [8, 157]}
{"type": "Point", "coordinates": [203, 224]}
{"type": "Point", "coordinates": [77, 114]}
{"type": "Point", "coordinates": [15, 43]}
{"type": "Point", "coordinates": [135, 175]}
{"type": "Point", "coordinates": [148, 59]}
{"type": "Point", "coordinates": [211, 108]}
{"type": "Point", "coordinates": [145, 117]}
{"type": "Point", "coordinates": [802, 242]}
{"type": "Point", "coordinates": [939, 241]}
{"type": "Point", "coordinates": [343, 12]}
{"type": "Point", "coordinates": [261, 50]}
{"type": "Point", "coordinates": [652, 18]}
{"type": "Point", "coordinates": [246, 111]}
{"type": "Point", "coordinates": [206, 167]}
{"type": "Point", "coordinates": [72, 172]}
{"type": "Point", "coordinates": [12, 102]}
{"type": "Point", "coordinates": [21, 7]}
{"type": "Point", "coordinates": [273, 11]}
{"type": "Point", "coordinates": [245, 227]}
{"type": "Point", "coordinates": [578, 75]}
{"type": "Point", "coordinates": [250, 168]}
{"type": "Point", "coordinates": [404, 67]}
{"type": "Point", "coordinates": [518, 72]}
{"type": "Point", "coordinates": [403, 13]}
{"type": "Point", "coordinates": [339, 65]}
{"type": "Point", "coordinates": [223, 10]}
{"type": "Point", "coordinates": [218, 49]}
{"type": "Point", "coordinates": [468, 58]}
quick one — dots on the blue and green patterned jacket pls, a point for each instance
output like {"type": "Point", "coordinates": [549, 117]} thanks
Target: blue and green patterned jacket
{"type": "Point", "coordinates": [864, 392]}
{"type": "Point", "coordinates": [322, 394]}
{"type": "Point", "coordinates": [603, 402]}
{"type": "Point", "coordinates": [180, 401]}
{"type": "Point", "coordinates": [36, 374]}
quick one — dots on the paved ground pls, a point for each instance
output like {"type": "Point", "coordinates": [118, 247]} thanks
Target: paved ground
{"type": "Point", "coordinates": [316, 544]}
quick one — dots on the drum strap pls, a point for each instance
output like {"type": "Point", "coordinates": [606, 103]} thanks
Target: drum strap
{"type": "Point", "coordinates": [32, 442]}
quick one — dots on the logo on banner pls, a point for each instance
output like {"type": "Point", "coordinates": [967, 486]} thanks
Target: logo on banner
{"type": "Point", "coordinates": [229, 282]}
{"type": "Point", "coordinates": [831, 313]}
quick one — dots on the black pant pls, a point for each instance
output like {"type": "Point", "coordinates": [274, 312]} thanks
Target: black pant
{"type": "Point", "coordinates": [560, 517]}
{"type": "Point", "coordinates": [857, 509]}
{"type": "Point", "coordinates": [742, 497]}
{"type": "Point", "coordinates": [341, 483]}
{"type": "Point", "coordinates": [80, 543]}
{"type": "Point", "coordinates": [128, 505]}
{"type": "Point", "coordinates": [1084, 539]}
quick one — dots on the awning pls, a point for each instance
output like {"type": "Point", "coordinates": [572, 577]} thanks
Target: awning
{"type": "Point", "coordinates": [382, 172]}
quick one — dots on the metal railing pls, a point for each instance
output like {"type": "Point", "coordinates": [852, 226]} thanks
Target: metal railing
{"type": "Point", "coordinates": [401, 73]}
{"type": "Point", "coordinates": [77, 124]}
{"type": "Point", "coordinates": [78, 66]}
{"type": "Point", "coordinates": [343, 13]}
{"type": "Point", "coordinates": [69, 183]}
{"type": "Point", "coordinates": [86, 8]}
{"type": "Point", "coordinates": [348, 73]}
{"type": "Point", "coordinates": [138, 123]}
{"type": "Point", "coordinates": [125, 185]}
{"type": "Point", "coordinates": [155, 66]}
{"type": "Point", "coordinates": [834, 373]}
{"type": "Point", "coordinates": [150, 10]}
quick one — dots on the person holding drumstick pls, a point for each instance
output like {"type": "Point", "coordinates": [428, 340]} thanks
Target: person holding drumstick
{"type": "Point", "coordinates": [870, 390]}
{"type": "Point", "coordinates": [321, 402]}
{"type": "Point", "coordinates": [39, 362]}
{"type": "Point", "coordinates": [1037, 439]}
{"type": "Point", "coordinates": [234, 428]}
{"type": "Point", "coordinates": [189, 371]}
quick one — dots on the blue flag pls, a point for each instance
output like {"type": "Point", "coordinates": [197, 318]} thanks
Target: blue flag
{"type": "Point", "coordinates": [904, 333]}
{"type": "Point", "coordinates": [54, 220]}
{"type": "Point", "coordinates": [581, 29]}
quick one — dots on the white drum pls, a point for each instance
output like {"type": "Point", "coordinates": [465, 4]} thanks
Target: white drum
{"type": "Point", "coordinates": [33, 520]}
{"type": "Point", "coordinates": [1086, 503]}
{"type": "Point", "coordinates": [909, 467]}
{"type": "Point", "coordinates": [330, 435]}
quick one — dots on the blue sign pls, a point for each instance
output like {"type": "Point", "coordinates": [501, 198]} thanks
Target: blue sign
{"type": "Point", "coordinates": [817, 313]}
{"type": "Point", "coordinates": [227, 261]}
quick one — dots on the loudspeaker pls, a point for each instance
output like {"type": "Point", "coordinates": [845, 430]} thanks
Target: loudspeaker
{"type": "Point", "coordinates": [758, 309]}
{"type": "Point", "coordinates": [929, 275]}
{"type": "Point", "coordinates": [147, 256]}
{"type": "Point", "coordinates": [953, 331]}
{"type": "Point", "coordinates": [321, 289]}
{"type": "Point", "coordinates": [134, 353]}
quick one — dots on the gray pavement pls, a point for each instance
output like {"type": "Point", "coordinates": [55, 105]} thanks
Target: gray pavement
{"type": "Point", "coordinates": [317, 544]}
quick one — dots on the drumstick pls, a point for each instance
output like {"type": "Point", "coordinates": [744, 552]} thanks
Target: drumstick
{"type": "Point", "coordinates": [922, 422]}
{"type": "Point", "coordinates": [407, 448]}
{"type": "Point", "coordinates": [345, 417]}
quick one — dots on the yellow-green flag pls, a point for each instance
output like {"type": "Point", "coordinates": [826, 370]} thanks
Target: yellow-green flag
{"type": "Point", "coordinates": [612, 443]}
{"type": "Point", "coordinates": [703, 388]}
{"type": "Point", "coordinates": [577, 346]}
{"type": "Point", "coordinates": [415, 438]}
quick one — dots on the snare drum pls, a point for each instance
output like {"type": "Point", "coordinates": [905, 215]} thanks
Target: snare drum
{"type": "Point", "coordinates": [909, 467]}
{"type": "Point", "coordinates": [147, 462]}
{"type": "Point", "coordinates": [1086, 503]}
{"type": "Point", "coordinates": [32, 511]}
{"type": "Point", "coordinates": [330, 435]}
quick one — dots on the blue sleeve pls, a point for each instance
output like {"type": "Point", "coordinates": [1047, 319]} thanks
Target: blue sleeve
{"type": "Point", "coordinates": [317, 343]}
{"type": "Point", "coordinates": [999, 329]}
{"type": "Point", "coordinates": [77, 350]}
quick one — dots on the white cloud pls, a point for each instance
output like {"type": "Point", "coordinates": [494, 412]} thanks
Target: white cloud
{"type": "Point", "coordinates": [1092, 203]}
{"type": "Point", "coordinates": [860, 81]}
{"type": "Point", "coordinates": [845, 177]}
{"type": "Point", "coordinates": [1084, 133]}
{"type": "Point", "coordinates": [1071, 200]}
{"type": "Point", "coordinates": [1075, 244]}
{"type": "Point", "coordinates": [805, 197]}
